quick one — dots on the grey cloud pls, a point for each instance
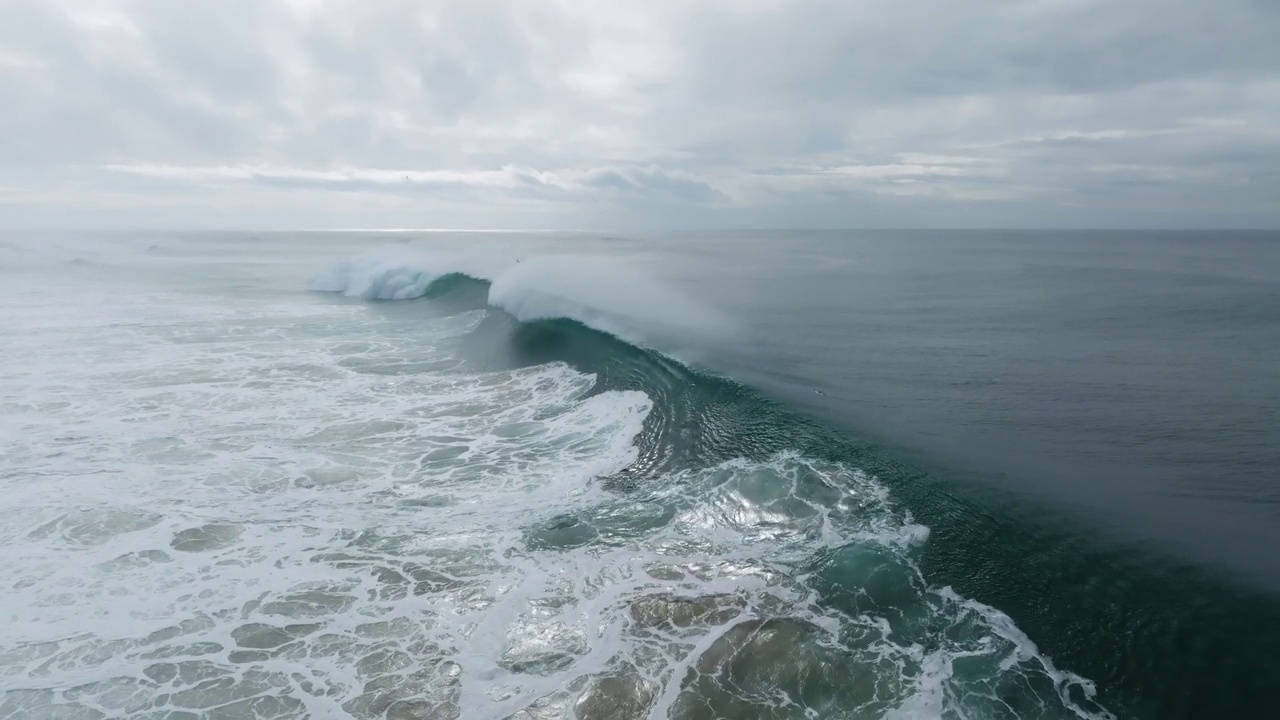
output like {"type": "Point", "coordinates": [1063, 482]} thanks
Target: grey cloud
{"type": "Point", "coordinates": [879, 112]}
{"type": "Point", "coordinates": [817, 50]}
{"type": "Point", "coordinates": [655, 180]}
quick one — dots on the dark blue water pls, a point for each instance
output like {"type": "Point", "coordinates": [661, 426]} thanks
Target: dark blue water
{"type": "Point", "coordinates": [1089, 421]}
{"type": "Point", "coordinates": [1128, 379]}
{"type": "Point", "coordinates": [1086, 421]}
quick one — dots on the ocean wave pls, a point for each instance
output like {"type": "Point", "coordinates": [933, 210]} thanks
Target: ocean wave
{"type": "Point", "coordinates": [736, 574]}
{"type": "Point", "coordinates": [396, 273]}
{"type": "Point", "coordinates": [442, 510]}
{"type": "Point", "coordinates": [606, 294]}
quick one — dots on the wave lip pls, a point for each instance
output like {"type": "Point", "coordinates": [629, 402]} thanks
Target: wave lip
{"type": "Point", "coordinates": [375, 282]}
{"type": "Point", "coordinates": [398, 273]}
{"type": "Point", "coordinates": [599, 292]}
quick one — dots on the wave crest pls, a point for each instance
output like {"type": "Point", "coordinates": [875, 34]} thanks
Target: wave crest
{"type": "Point", "coordinates": [605, 293]}
{"type": "Point", "coordinates": [396, 273]}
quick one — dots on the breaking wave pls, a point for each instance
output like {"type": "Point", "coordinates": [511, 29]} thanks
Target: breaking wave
{"type": "Point", "coordinates": [600, 293]}
{"type": "Point", "coordinates": [495, 503]}
{"type": "Point", "coordinates": [735, 574]}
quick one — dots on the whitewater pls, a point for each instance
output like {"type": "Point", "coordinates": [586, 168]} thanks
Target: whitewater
{"type": "Point", "coordinates": [298, 477]}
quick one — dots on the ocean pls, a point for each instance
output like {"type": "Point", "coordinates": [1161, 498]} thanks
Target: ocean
{"type": "Point", "coordinates": [908, 474]}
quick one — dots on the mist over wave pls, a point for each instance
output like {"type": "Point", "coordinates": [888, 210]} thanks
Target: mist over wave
{"type": "Point", "coordinates": [400, 272]}
{"type": "Point", "coordinates": [609, 294]}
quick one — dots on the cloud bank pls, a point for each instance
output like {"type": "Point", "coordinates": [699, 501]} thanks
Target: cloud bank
{"type": "Point", "coordinates": [610, 114]}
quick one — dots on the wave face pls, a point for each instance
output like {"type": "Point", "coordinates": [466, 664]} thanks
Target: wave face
{"type": "Point", "coordinates": [730, 568]}
{"type": "Point", "coordinates": [484, 504]}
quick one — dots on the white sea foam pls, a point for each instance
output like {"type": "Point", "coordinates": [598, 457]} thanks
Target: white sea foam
{"type": "Point", "coordinates": [282, 506]}
{"type": "Point", "coordinates": [401, 272]}
{"type": "Point", "coordinates": [174, 507]}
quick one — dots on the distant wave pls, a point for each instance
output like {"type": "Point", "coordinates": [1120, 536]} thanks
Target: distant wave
{"type": "Point", "coordinates": [602, 293]}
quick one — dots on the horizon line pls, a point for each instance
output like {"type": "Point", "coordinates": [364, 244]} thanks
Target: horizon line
{"type": "Point", "coordinates": [647, 231]}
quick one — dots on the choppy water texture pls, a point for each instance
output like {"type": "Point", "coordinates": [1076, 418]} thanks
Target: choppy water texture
{"type": "Point", "coordinates": [293, 476]}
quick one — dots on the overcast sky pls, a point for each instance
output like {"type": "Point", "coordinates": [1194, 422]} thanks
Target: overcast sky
{"type": "Point", "coordinates": [595, 114]}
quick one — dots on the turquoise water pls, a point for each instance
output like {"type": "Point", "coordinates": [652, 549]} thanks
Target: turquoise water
{"type": "Point", "coordinates": [744, 476]}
